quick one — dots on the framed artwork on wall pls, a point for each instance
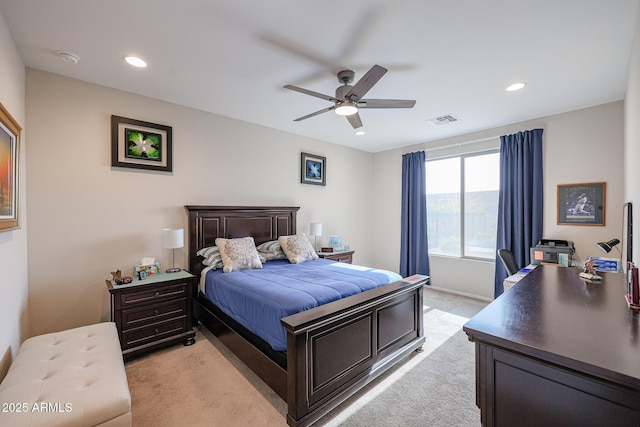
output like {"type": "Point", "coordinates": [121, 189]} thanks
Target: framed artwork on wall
{"type": "Point", "coordinates": [141, 145]}
{"type": "Point", "coordinates": [313, 169]}
{"type": "Point", "coordinates": [9, 171]}
{"type": "Point", "coordinates": [582, 204]}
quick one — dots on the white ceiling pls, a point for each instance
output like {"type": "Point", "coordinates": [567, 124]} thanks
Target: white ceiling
{"type": "Point", "coordinates": [233, 57]}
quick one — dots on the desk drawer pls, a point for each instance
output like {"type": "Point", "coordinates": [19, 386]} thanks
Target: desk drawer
{"type": "Point", "coordinates": [151, 333]}
{"type": "Point", "coordinates": [134, 317]}
{"type": "Point", "coordinates": [153, 294]}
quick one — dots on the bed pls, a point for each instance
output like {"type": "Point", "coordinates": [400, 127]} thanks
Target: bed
{"type": "Point", "coordinates": [332, 350]}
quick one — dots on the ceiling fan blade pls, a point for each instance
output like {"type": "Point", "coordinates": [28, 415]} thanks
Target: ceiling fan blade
{"type": "Point", "coordinates": [312, 93]}
{"type": "Point", "coordinates": [324, 110]}
{"type": "Point", "coordinates": [367, 81]}
{"type": "Point", "coordinates": [386, 103]}
{"type": "Point", "coordinates": [355, 121]}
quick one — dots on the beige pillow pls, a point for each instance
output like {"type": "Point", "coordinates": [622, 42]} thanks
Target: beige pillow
{"type": "Point", "coordinates": [238, 254]}
{"type": "Point", "coordinates": [297, 248]}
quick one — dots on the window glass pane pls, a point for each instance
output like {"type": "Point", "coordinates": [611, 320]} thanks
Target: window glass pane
{"type": "Point", "coordinates": [443, 206]}
{"type": "Point", "coordinates": [481, 185]}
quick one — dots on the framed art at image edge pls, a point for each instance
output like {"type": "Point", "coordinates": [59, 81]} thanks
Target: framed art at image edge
{"type": "Point", "coordinates": [9, 171]}
{"type": "Point", "coordinates": [313, 169]}
{"type": "Point", "coordinates": [582, 204]}
{"type": "Point", "coordinates": [141, 145]}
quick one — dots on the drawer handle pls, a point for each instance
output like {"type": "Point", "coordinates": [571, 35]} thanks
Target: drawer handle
{"type": "Point", "coordinates": [157, 331]}
{"type": "Point", "coordinates": [156, 294]}
{"type": "Point", "coordinates": [156, 312]}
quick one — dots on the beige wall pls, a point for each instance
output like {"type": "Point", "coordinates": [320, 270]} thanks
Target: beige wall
{"type": "Point", "coordinates": [87, 219]}
{"type": "Point", "coordinates": [632, 138]}
{"type": "Point", "coordinates": [580, 146]}
{"type": "Point", "coordinates": [13, 244]}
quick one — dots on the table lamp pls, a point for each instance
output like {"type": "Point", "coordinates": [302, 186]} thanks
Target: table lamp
{"type": "Point", "coordinates": [173, 239]}
{"type": "Point", "coordinates": [315, 229]}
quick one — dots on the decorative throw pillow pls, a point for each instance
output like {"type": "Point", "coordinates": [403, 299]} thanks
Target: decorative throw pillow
{"type": "Point", "coordinates": [271, 250]}
{"type": "Point", "coordinates": [238, 254]}
{"type": "Point", "coordinates": [212, 257]}
{"type": "Point", "coordinates": [297, 248]}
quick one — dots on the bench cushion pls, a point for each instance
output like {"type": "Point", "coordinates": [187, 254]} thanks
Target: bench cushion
{"type": "Point", "coordinates": [72, 378]}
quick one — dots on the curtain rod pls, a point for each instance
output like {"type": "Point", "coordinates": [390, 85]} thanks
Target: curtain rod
{"type": "Point", "coordinates": [460, 144]}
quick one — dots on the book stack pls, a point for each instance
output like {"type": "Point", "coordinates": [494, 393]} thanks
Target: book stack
{"type": "Point", "coordinates": [633, 288]}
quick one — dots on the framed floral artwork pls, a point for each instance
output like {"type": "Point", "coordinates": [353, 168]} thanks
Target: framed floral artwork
{"type": "Point", "coordinates": [582, 204]}
{"type": "Point", "coordinates": [9, 171]}
{"type": "Point", "coordinates": [313, 169]}
{"type": "Point", "coordinates": [141, 145]}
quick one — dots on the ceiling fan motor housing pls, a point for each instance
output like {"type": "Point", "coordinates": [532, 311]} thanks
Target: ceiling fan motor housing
{"type": "Point", "coordinates": [342, 91]}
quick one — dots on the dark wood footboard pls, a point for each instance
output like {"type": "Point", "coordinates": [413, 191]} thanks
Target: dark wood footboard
{"type": "Point", "coordinates": [336, 349]}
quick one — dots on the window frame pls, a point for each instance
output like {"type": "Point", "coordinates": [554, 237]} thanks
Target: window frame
{"type": "Point", "coordinates": [461, 157]}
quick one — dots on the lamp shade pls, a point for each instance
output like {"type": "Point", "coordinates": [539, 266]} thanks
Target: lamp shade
{"type": "Point", "coordinates": [172, 238]}
{"type": "Point", "coordinates": [315, 229]}
{"type": "Point", "coordinates": [607, 246]}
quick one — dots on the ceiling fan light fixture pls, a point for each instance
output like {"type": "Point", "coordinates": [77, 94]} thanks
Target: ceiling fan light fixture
{"type": "Point", "coordinates": [346, 108]}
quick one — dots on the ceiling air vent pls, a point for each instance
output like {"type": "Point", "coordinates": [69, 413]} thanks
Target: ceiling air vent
{"type": "Point", "coordinates": [443, 120]}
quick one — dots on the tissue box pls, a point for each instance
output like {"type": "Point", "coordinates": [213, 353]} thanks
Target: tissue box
{"type": "Point", "coordinates": [149, 269]}
{"type": "Point", "coordinates": [606, 264]}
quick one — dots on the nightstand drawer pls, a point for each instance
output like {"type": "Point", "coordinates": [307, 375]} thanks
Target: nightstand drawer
{"type": "Point", "coordinates": [148, 295]}
{"type": "Point", "coordinates": [153, 313]}
{"type": "Point", "coordinates": [151, 333]}
{"type": "Point", "coordinates": [341, 258]}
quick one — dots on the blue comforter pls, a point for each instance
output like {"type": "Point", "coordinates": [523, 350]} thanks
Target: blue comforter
{"type": "Point", "coordinates": [258, 299]}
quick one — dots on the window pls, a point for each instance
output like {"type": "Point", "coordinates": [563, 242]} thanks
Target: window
{"type": "Point", "coordinates": [462, 205]}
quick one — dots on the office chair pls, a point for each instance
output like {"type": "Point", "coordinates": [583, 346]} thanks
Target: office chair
{"type": "Point", "coordinates": [509, 261]}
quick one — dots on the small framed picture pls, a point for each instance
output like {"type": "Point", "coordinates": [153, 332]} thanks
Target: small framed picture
{"type": "Point", "coordinates": [142, 275]}
{"type": "Point", "coordinates": [140, 145]}
{"type": "Point", "coordinates": [313, 169]}
{"type": "Point", "coordinates": [582, 204]}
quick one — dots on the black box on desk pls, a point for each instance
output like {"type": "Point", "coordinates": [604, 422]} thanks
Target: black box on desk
{"type": "Point", "coordinates": [552, 251]}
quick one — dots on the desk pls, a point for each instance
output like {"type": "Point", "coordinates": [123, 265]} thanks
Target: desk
{"type": "Point", "coordinates": [555, 350]}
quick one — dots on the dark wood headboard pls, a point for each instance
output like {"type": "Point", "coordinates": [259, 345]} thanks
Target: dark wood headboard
{"type": "Point", "coordinates": [263, 223]}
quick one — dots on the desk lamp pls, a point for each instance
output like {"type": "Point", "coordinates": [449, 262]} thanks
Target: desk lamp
{"type": "Point", "coordinates": [173, 239]}
{"type": "Point", "coordinates": [606, 247]}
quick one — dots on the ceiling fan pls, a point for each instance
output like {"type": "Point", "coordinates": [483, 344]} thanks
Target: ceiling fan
{"type": "Point", "coordinates": [348, 99]}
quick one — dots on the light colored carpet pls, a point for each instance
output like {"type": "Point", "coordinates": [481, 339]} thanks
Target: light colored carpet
{"type": "Point", "coordinates": [195, 386]}
{"type": "Point", "coordinates": [206, 385]}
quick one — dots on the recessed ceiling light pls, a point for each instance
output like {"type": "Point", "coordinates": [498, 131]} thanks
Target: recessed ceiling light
{"type": "Point", "coordinates": [515, 86]}
{"type": "Point", "coordinates": [360, 132]}
{"type": "Point", "coordinates": [135, 61]}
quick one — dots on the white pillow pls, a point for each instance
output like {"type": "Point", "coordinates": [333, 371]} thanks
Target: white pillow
{"type": "Point", "coordinates": [238, 254]}
{"type": "Point", "coordinates": [271, 250]}
{"type": "Point", "coordinates": [297, 248]}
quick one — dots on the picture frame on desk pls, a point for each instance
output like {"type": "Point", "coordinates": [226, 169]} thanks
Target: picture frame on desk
{"type": "Point", "coordinates": [582, 204]}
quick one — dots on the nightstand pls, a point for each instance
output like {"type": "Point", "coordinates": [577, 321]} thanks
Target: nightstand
{"type": "Point", "coordinates": [154, 312]}
{"type": "Point", "coordinates": [340, 256]}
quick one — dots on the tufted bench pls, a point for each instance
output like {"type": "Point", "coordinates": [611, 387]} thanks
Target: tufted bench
{"type": "Point", "coordinates": [70, 378]}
